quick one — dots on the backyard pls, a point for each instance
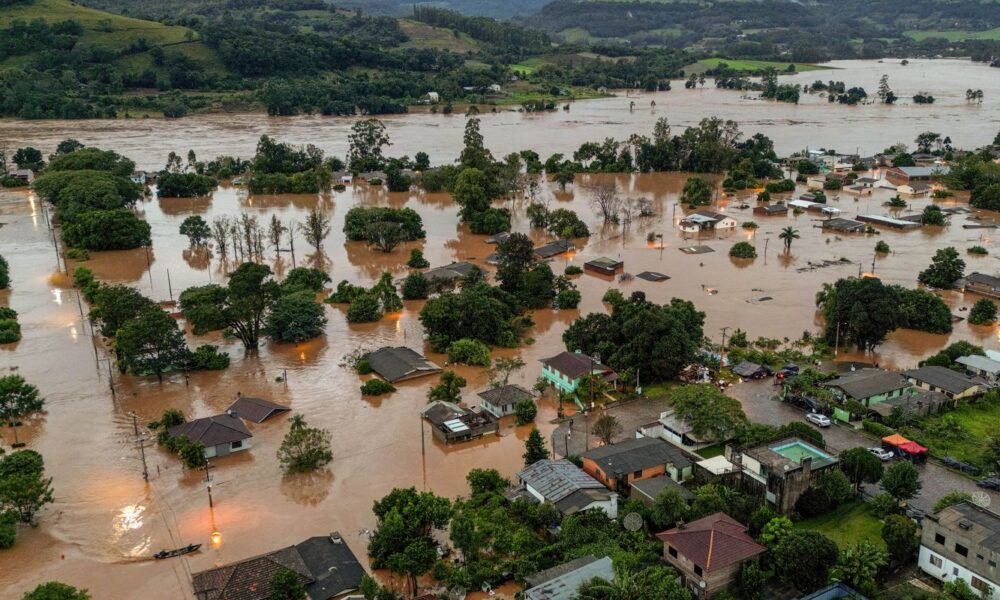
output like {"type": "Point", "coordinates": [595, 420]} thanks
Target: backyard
{"type": "Point", "coordinates": [846, 525]}
{"type": "Point", "coordinates": [964, 433]}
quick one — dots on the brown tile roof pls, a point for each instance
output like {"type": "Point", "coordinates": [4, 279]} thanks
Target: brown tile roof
{"type": "Point", "coordinates": [212, 431]}
{"type": "Point", "coordinates": [713, 542]}
{"type": "Point", "coordinates": [248, 579]}
{"type": "Point", "coordinates": [257, 410]}
{"type": "Point", "coordinates": [573, 364]}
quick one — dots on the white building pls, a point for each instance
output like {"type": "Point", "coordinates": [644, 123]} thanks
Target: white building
{"type": "Point", "coordinates": [962, 542]}
{"type": "Point", "coordinates": [703, 220]}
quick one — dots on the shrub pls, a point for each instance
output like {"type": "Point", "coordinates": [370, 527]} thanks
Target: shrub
{"type": "Point", "coordinates": [697, 192]}
{"type": "Point", "coordinates": [978, 250]}
{"type": "Point", "coordinates": [116, 229]}
{"type": "Point", "coordinates": [208, 358]}
{"type": "Point", "coordinates": [377, 387]}
{"type": "Point", "coordinates": [346, 293]}
{"type": "Point", "coordinates": [573, 270]}
{"type": "Point", "coordinates": [469, 352]}
{"type": "Point", "coordinates": [832, 184]}
{"type": "Point", "coordinates": [743, 250]}
{"type": "Point", "coordinates": [881, 247]}
{"type": "Point", "coordinates": [304, 278]}
{"type": "Point", "coordinates": [364, 309]}
{"type": "Point", "coordinates": [415, 287]}
{"type": "Point", "coordinates": [877, 429]}
{"type": "Point", "coordinates": [568, 298]}
{"type": "Point", "coordinates": [750, 225]}
{"type": "Point", "coordinates": [525, 411]}
{"type": "Point", "coordinates": [613, 297]}
{"type": "Point", "coordinates": [984, 312]}
{"type": "Point", "coordinates": [10, 331]}
{"type": "Point", "coordinates": [417, 260]}
{"type": "Point", "coordinates": [4, 274]}
{"type": "Point", "coordinates": [358, 219]}
{"type": "Point", "coordinates": [78, 254]}
{"type": "Point", "coordinates": [883, 505]}
{"type": "Point", "coordinates": [363, 366]}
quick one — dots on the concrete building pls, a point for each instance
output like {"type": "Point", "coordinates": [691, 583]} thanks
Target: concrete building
{"type": "Point", "coordinates": [675, 430]}
{"type": "Point", "coordinates": [452, 423]}
{"type": "Point", "coordinates": [565, 486]}
{"type": "Point", "coordinates": [707, 553]}
{"type": "Point", "coordinates": [704, 220]}
{"type": "Point", "coordinates": [780, 471]}
{"type": "Point", "coordinates": [500, 401]}
{"type": "Point", "coordinates": [962, 542]}
{"type": "Point", "coordinates": [566, 369]}
{"type": "Point", "coordinates": [618, 465]}
{"type": "Point", "coordinates": [981, 366]}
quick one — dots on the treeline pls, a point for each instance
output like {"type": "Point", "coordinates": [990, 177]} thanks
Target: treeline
{"type": "Point", "coordinates": [500, 33]}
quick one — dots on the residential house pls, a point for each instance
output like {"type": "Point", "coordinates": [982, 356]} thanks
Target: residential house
{"type": "Point", "coordinates": [553, 249]}
{"type": "Point", "coordinates": [563, 581]}
{"type": "Point", "coordinates": [981, 366]}
{"type": "Point", "coordinates": [869, 386]}
{"type": "Point", "coordinates": [400, 363]}
{"type": "Point", "coordinates": [888, 221]}
{"type": "Point", "coordinates": [433, 97]}
{"type": "Point", "coordinates": [675, 430]}
{"type": "Point", "coordinates": [647, 490]}
{"type": "Point", "coordinates": [749, 370]}
{"type": "Point", "coordinates": [25, 176]}
{"type": "Point", "coordinates": [566, 369]}
{"type": "Point", "coordinates": [920, 403]}
{"type": "Point", "coordinates": [618, 465]}
{"type": "Point", "coordinates": [604, 265]}
{"type": "Point", "coordinates": [844, 225]}
{"type": "Point", "coordinates": [324, 565]}
{"type": "Point", "coordinates": [780, 471]}
{"type": "Point", "coordinates": [257, 410]}
{"type": "Point", "coordinates": [866, 182]}
{"type": "Point", "coordinates": [815, 182]}
{"type": "Point", "coordinates": [707, 553]}
{"type": "Point", "coordinates": [953, 384]}
{"type": "Point", "coordinates": [962, 542]}
{"type": "Point", "coordinates": [451, 423]}
{"type": "Point", "coordinates": [771, 210]}
{"type": "Point", "coordinates": [811, 206]}
{"type": "Point", "coordinates": [138, 177]}
{"type": "Point", "coordinates": [901, 175]}
{"type": "Point", "coordinates": [220, 434]}
{"type": "Point", "coordinates": [448, 276]}
{"type": "Point", "coordinates": [498, 238]}
{"type": "Point", "coordinates": [984, 285]}
{"type": "Point", "coordinates": [565, 486]}
{"type": "Point", "coordinates": [704, 220]}
{"type": "Point", "coordinates": [913, 189]}
{"type": "Point", "coordinates": [500, 401]}
{"type": "Point", "coordinates": [834, 591]}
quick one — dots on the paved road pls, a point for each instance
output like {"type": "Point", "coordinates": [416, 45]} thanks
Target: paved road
{"type": "Point", "coordinates": [756, 398]}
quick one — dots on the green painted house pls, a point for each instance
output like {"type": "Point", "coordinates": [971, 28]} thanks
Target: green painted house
{"type": "Point", "coordinates": [566, 369]}
{"type": "Point", "coordinates": [870, 387]}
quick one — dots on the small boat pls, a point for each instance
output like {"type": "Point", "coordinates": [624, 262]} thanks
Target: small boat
{"type": "Point", "coordinates": [177, 552]}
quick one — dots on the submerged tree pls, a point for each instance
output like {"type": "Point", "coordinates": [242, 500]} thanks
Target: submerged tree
{"type": "Point", "coordinates": [304, 448]}
{"type": "Point", "coordinates": [18, 399]}
{"type": "Point", "coordinates": [315, 228]}
{"type": "Point", "coordinates": [151, 344]}
{"type": "Point", "coordinates": [196, 230]}
{"type": "Point", "coordinates": [275, 231]}
{"type": "Point", "coordinates": [534, 448]}
{"type": "Point", "coordinates": [787, 235]}
{"type": "Point", "coordinates": [23, 485]}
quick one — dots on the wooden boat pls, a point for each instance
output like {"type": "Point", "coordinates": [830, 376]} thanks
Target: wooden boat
{"type": "Point", "coordinates": [177, 551]}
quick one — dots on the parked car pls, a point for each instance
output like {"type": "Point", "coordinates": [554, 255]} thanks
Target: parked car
{"type": "Point", "coordinates": [989, 484]}
{"type": "Point", "coordinates": [810, 404]}
{"type": "Point", "coordinates": [882, 453]}
{"type": "Point", "coordinates": [791, 369]}
{"type": "Point", "coordinates": [819, 420]}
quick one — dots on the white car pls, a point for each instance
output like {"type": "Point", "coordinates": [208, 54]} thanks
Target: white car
{"type": "Point", "coordinates": [819, 420]}
{"type": "Point", "coordinates": [882, 453]}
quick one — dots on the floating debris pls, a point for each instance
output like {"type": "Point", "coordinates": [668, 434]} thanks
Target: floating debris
{"type": "Point", "coordinates": [759, 300]}
{"type": "Point", "coordinates": [822, 265]}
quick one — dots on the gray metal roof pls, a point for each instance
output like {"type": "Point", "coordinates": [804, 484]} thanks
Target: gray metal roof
{"type": "Point", "coordinates": [651, 488]}
{"type": "Point", "coordinates": [451, 272]}
{"type": "Point", "coordinates": [562, 582]}
{"type": "Point", "coordinates": [978, 524]}
{"type": "Point", "coordinates": [636, 454]}
{"type": "Point", "coordinates": [214, 430]}
{"type": "Point", "coordinates": [979, 363]}
{"type": "Point", "coordinates": [944, 378]}
{"type": "Point", "coordinates": [396, 364]}
{"type": "Point", "coordinates": [865, 383]}
{"type": "Point", "coordinates": [554, 248]}
{"type": "Point", "coordinates": [557, 479]}
{"type": "Point", "coordinates": [505, 395]}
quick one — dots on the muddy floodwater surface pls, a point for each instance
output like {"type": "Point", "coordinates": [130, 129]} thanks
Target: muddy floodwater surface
{"type": "Point", "coordinates": [106, 521]}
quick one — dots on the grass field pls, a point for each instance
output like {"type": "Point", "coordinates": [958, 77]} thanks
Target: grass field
{"type": "Point", "coordinates": [426, 36]}
{"type": "Point", "coordinates": [963, 433]}
{"type": "Point", "coordinates": [956, 36]}
{"type": "Point", "coordinates": [756, 65]}
{"type": "Point", "coordinates": [848, 524]}
{"type": "Point", "coordinates": [530, 65]}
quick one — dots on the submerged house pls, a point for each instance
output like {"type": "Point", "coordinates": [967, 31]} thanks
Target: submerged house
{"type": "Point", "coordinates": [452, 423]}
{"type": "Point", "coordinates": [604, 265]}
{"type": "Point", "coordinates": [257, 410]}
{"type": "Point", "coordinates": [566, 369]}
{"type": "Point", "coordinates": [982, 284]}
{"type": "Point", "coordinates": [220, 434]}
{"type": "Point", "coordinates": [400, 363]}
{"type": "Point", "coordinates": [781, 471]}
{"type": "Point", "coordinates": [844, 225]}
{"type": "Point", "coordinates": [553, 249]}
{"type": "Point", "coordinates": [324, 565]}
{"type": "Point", "coordinates": [771, 210]}
{"type": "Point", "coordinates": [704, 220]}
{"type": "Point", "coordinates": [618, 465]}
{"type": "Point", "coordinates": [500, 401]}
{"type": "Point", "coordinates": [449, 275]}
{"type": "Point", "coordinates": [565, 486]}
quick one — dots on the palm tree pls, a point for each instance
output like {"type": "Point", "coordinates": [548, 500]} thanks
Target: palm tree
{"type": "Point", "coordinates": [788, 234]}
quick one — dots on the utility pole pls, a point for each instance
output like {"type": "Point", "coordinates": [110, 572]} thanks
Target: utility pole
{"type": "Point", "coordinates": [208, 484]}
{"type": "Point", "coordinates": [142, 446]}
{"type": "Point", "coordinates": [724, 330]}
{"type": "Point", "coordinates": [170, 288]}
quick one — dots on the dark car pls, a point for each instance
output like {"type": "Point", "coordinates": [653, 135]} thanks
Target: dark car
{"type": "Point", "coordinates": [790, 369]}
{"type": "Point", "coordinates": [989, 484]}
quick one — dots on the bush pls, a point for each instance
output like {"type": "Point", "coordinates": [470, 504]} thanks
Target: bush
{"type": "Point", "coordinates": [363, 366]}
{"type": "Point", "coordinates": [208, 358]}
{"type": "Point", "coordinates": [883, 505]}
{"type": "Point", "coordinates": [573, 270]}
{"type": "Point", "coordinates": [881, 247]}
{"type": "Point", "coordinates": [10, 331]}
{"type": "Point", "coordinates": [364, 309]}
{"type": "Point", "coordinates": [877, 429]}
{"type": "Point", "coordinates": [750, 225]}
{"type": "Point", "coordinates": [377, 387]}
{"type": "Point", "coordinates": [77, 254]}
{"type": "Point", "coordinates": [4, 274]}
{"type": "Point", "coordinates": [346, 293]}
{"type": "Point", "coordinates": [116, 229]}
{"type": "Point", "coordinates": [979, 250]}
{"type": "Point", "coordinates": [830, 491]}
{"type": "Point", "coordinates": [743, 250]}
{"type": "Point", "coordinates": [8, 528]}
{"type": "Point", "coordinates": [568, 298]}
{"type": "Point", "coordinates": [304, 278]}
{"type": "Point", "coordinates": [525, 411]}
{"type": "Point", "coordinates": [417, 260]}
{"type": "Point", "coordinates": [415, 287]}
{"type": "Point", "coordinates": [469, 352]}
{"type": "Point", "coordinates": [984, 312]}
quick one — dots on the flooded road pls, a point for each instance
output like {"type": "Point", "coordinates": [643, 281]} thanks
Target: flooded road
{"type": "Point", "coordinates": [813, 122]}
{"type": "Point", "coordinates": [106, 519]}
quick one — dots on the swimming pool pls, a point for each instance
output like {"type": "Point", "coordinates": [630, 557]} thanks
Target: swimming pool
{"type": "Point", "coordinates": [797, 450]}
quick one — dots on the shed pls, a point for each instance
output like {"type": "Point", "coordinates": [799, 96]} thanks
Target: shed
{"type": "Point", "coordinates": [771, 210]}
{"type": "Point", "coordinates": [844, 225]}
{"type": "Point", "coordinates": [257, 410]}
{"type": "Point", "coordinates": [400, 363]}
{"type": "Point", "coordinates": [749, 370]}
{"type": "Point", "coordinates": [647, 490]}
{"type": "Point", "coordinates": [452, 423]}
{"type": "Point", "coordinates": [604, 265]}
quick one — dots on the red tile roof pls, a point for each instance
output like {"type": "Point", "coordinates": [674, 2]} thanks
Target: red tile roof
{"type": "Point", "coordinates": [713, 542]}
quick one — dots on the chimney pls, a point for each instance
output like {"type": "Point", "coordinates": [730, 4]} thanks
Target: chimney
{"type": "Point", "coordinates": [335, 537]}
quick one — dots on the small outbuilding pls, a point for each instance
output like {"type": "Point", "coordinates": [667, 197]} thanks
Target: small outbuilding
{"type": "Point", "coordinates": [400, 363]}
{"type": "Point", "coordinates": [647, 490]}
{"type": "Point", "coordinates": [553, 249]}
{"type": "Point", "coordinates": [604, 265]}
{"type": "Point", "coordinates": [844, 225]}
{"type": "Point", "coordinates": [771, 210]}
{"type": "Point", "coordinates": [750, 370]}
{"type": "Point", "coordinates": [451, 423]}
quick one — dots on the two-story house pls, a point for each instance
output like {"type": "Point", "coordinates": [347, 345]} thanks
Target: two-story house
{"type": "Point", "coordinates": [566, 369]}
{"type": "Point", "coordinates": [962, 542]}
{"type": "Point", "coordinates": [781, 471]}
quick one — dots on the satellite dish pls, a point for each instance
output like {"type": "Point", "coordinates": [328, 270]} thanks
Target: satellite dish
{"type": "Point", "coordinates": [632, 521]}
{"type": "Point", "coordinates": [981, 498]}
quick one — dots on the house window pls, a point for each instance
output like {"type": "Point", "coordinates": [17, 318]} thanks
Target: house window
{"type": "Point", "coordinates": [236, 444]}
{"type": "Point", "coordinates": [980, 585]}
{"type": "Point", "coordinates": [961, 550]}
{"type": "Point", "coordinates": [697, 570]}
{"type": "Point", "coordinates": [936, 561]}
{"type": "Point", "coordinates": [637, 474]}
{"type": "Point", "coordinates": [992, 564]}
{"type": "Point", "coordinates": [938, 538]}
{"type": "Point", "coordinates": [979, 556]}
{"type": "Point", "coordinates": [672, 551]}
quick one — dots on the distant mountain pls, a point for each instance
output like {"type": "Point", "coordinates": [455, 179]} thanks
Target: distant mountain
{"type": "Point", "coordinates": [498, 9]}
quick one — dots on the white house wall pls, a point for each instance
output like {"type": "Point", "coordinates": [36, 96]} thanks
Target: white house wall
{"type": "Point", "coordinates": [949, 571]}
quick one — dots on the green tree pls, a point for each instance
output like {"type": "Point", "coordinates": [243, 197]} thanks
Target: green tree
{"type": "Point", "coordinates": [486, 481]}
{"type": "Point", "coordinates": [564, 177]}
{"type": "Point", "coordinates": [803, 559]}
{"type": "Point", "coordinates": [315, 228]}
{"type": "Point", "coordinates": [196, 230]}
{"type": "Point", "coordinates": [945, 268]}
{"type": "Point", "coordinates": [901, 481]}
{"type": "Point", "coordinates": [743, 250]}
{"type": "Point", "coordinates": [634, 584]}
{"type": "Point", "coordinates": [385, 292]}
{"type": "Point", "coordinates": [151, 344]}
{"type": "Point", "coordinates": [18, 399]}
{"type": "Point", "coordinates": [469, 352]}
{"type": "Point", "coordinates": [402, 539]}
{"type": "Point", "coordinates": [752, 581]}
{"type": "Point", "coordinates": [415, 287]}
{"type": "Point", "coordinates": [858, 311]}
{"type": "Point", "coordinates": [900, 536]}
{"type": "Point", "coordinates": [285, 585]}
{"type": "Point", "coordinates": [932, 215]}
{"type": "Point", "coordinates": [474, 153]}
{"type": "Point", "coordinates": [29, 158]}
{"type": "Point", "coordinates": [534, 448]}
{"type": "Point", "coordinates": [448, 389]}
{"type": "Point", "coordinates": [858, 565]}
{"type": "Point", "coordinates": [787, 235]}
{"type": "Point", "coordinates": [708, 412]}
{"type": "Point", "coordinates": [304, 448]}
{"type": "Point", "coordinates": [776, 530]}
{"type": "Point", "coordinates": [117, 305]}
{"type": "Point", "coordinates": [295, 318]}
{"type": "Point", "coordinates": [669, 508]}
{"type": "Point", "coordinates": [366, 144]}
{"type": "Point", "coordinates": [417, 260]}
{"type": "Point", "coordinates": [525, 411]}
{"type": "Point", "coordinates": [304, 279]}
{"type": "Point", "coordinates": [697, 192]}
{"type": "Point", "coordinates": [54, 590]}
{"type": "Point", "coordinates": [23, 485]}
{"type": "Point", "coordinates": [881, 247]}
{"type": "Point", "coordinates": [984, 312]}
{"type": "Point", "coordinates": [958, 589]}
{"type": "Point", "coordinates": [116, 229]}
{"type": "Point", "coordinates": [472, 193]}
{"type": "Point", "coordinates": [250, 294]}
{"type": "Point", "coordinates": [952, 498]}
{"type": "Point", "coordinates": [4, 273]}
{"type": "Point", "coordinates": [606, 428]}
{"type": "Point", "coordinates": [364, 309]}
{"type": "Point", "coordinates": [860, 466]}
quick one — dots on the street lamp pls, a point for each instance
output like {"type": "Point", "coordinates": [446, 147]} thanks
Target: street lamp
{"type": "Point", "coordinates": [596, 358]}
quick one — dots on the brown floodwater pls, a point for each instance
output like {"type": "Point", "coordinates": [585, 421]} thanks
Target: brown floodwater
{"type": "Point", "coordinates": [106, 521]}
